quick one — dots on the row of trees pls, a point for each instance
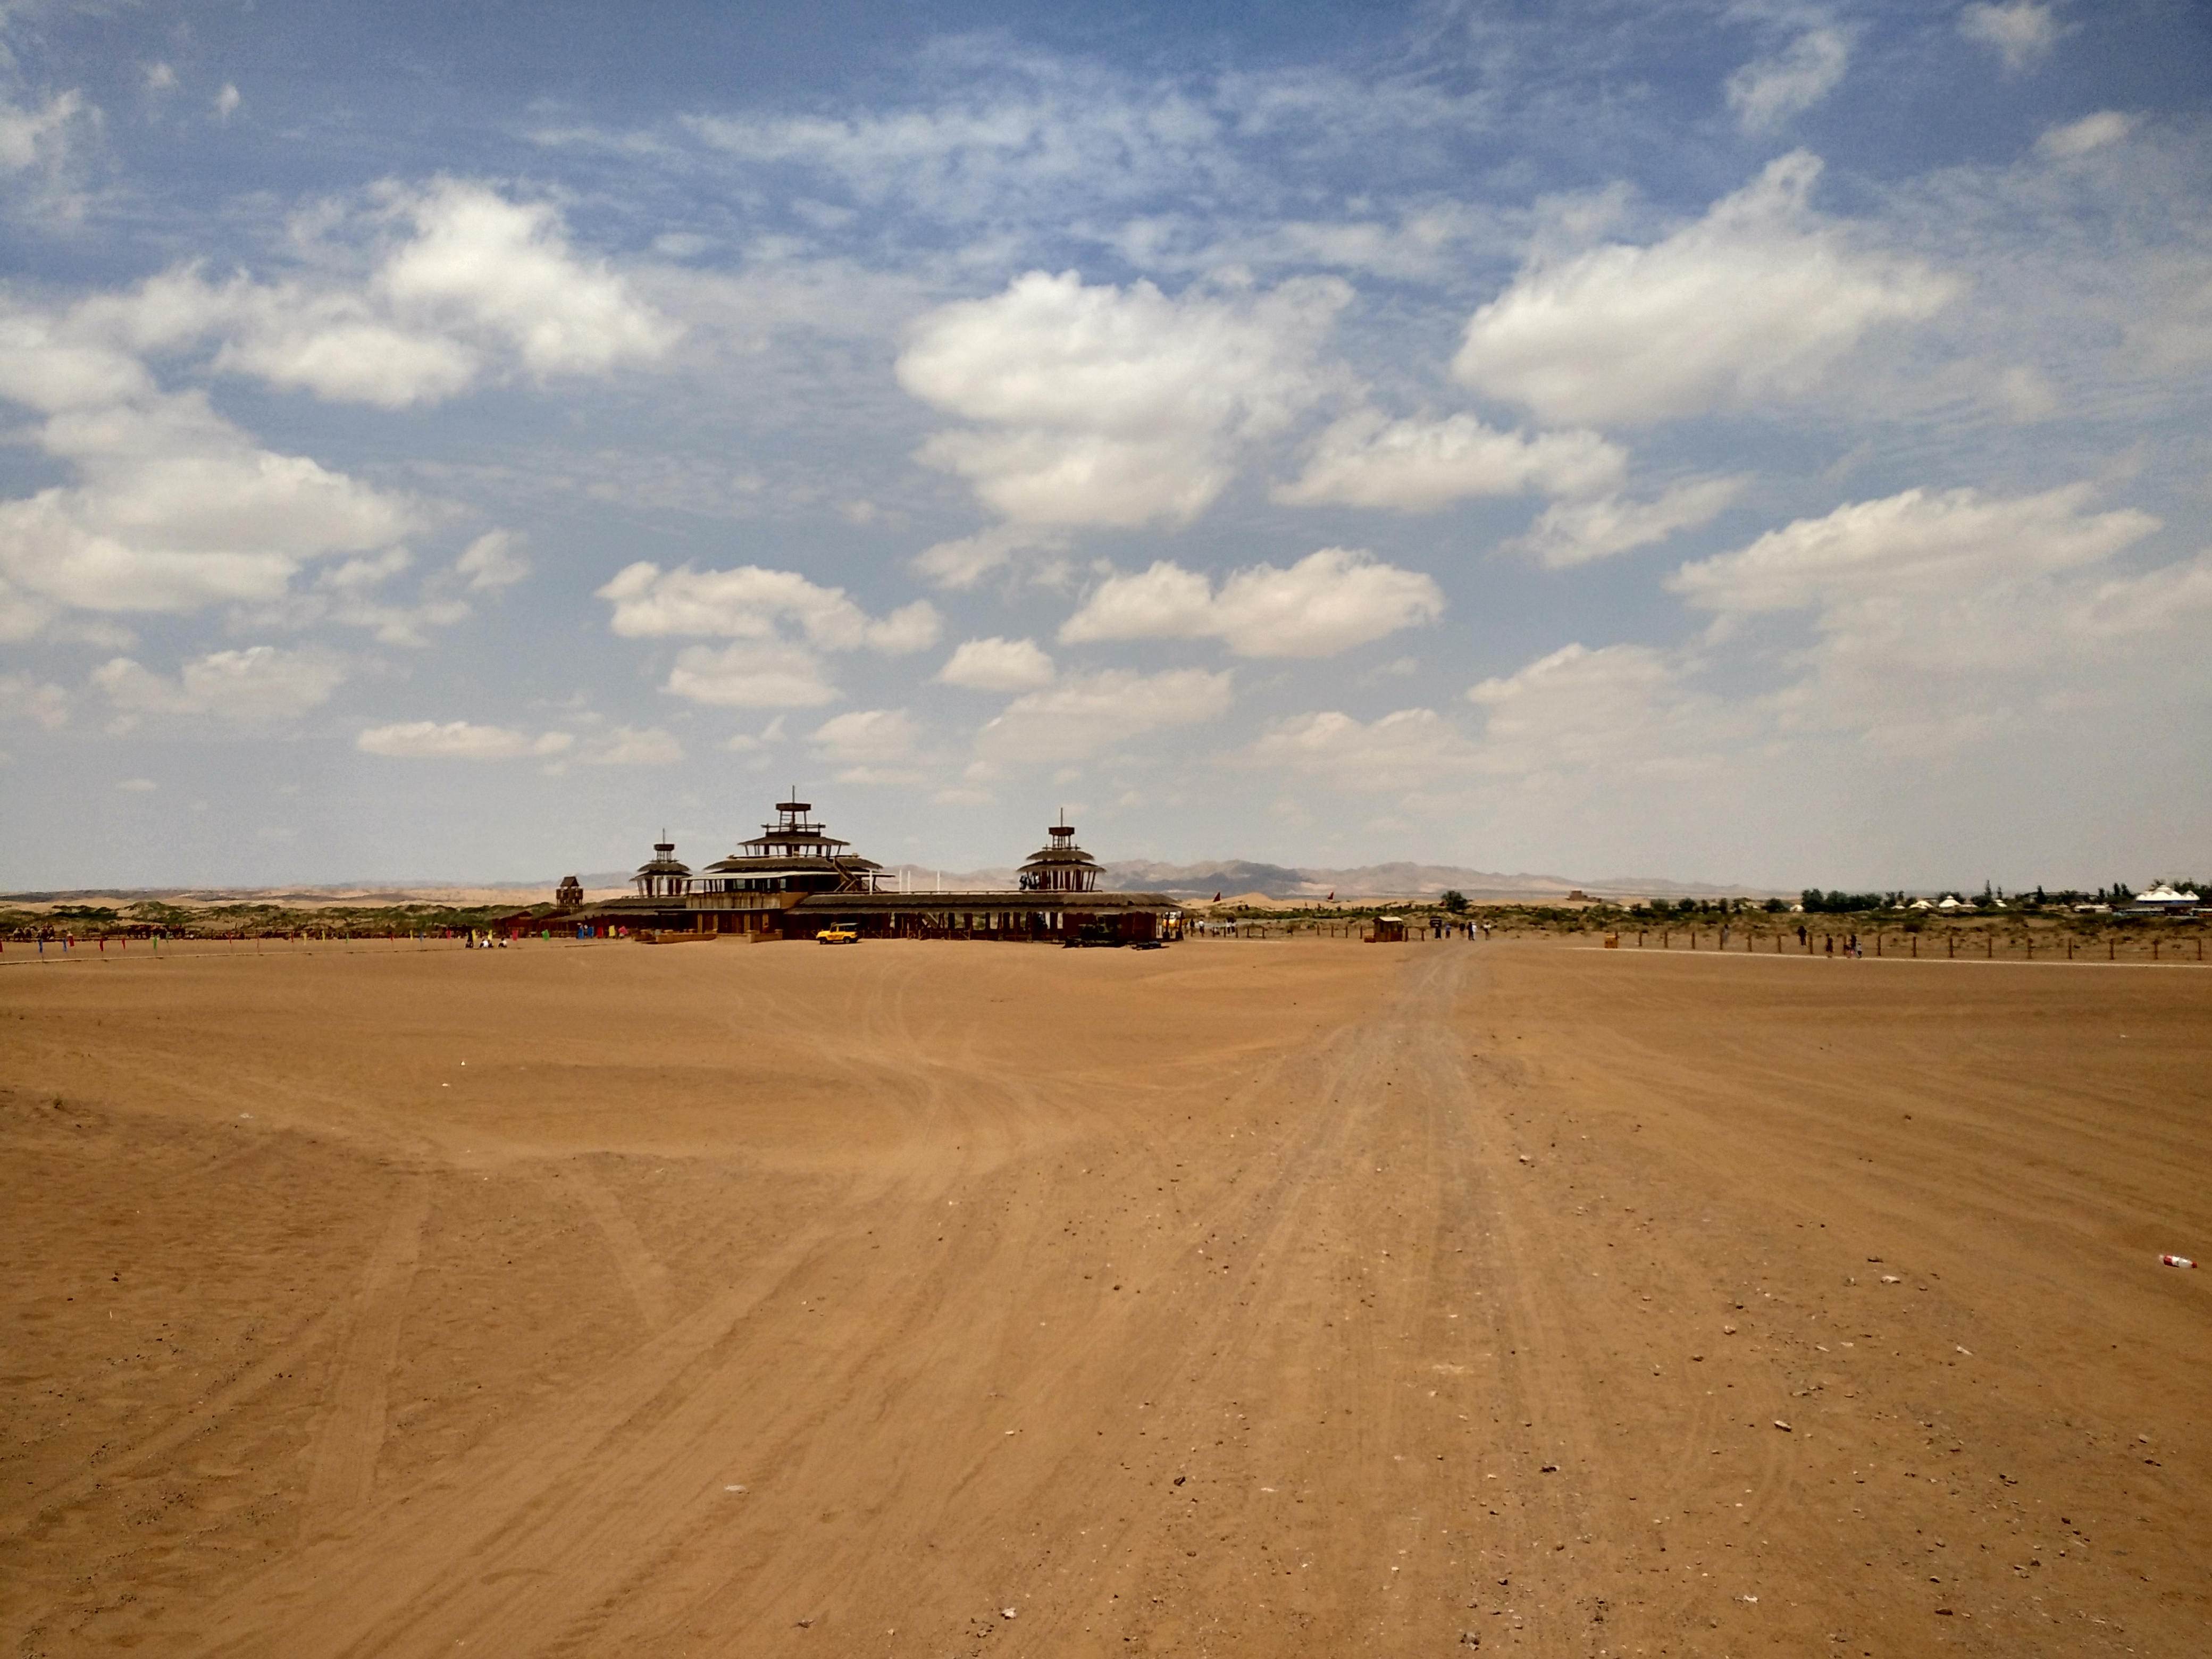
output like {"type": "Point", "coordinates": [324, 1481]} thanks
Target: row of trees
{"type": "Point", "coordinates": [1835, 902]}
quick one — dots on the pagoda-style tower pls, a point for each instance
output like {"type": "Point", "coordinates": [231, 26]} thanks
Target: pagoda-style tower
{"type": "Point", "coordinates": [1060, 866]}
{"type": "Point", "coordinates": [663, 878]}
{"type": "Point", "coordinates": [794, 854]}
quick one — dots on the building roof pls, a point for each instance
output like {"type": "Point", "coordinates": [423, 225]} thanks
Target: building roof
{"type": "Point", "coordinates": [994, 899]}
{"type": "Point", "coordinates": [808, 840]}
{"type": "Point", "coordinates": [664, 861]}
{"type": "Point", "coordinates": [794, 832]}
{"type": "Point", "coordinates": [744, 864]}
{"type": "Point", "coordinates": [1060, 863]}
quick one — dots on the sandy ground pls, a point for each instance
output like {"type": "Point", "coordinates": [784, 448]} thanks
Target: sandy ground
{"type": "Point", "coordinates": [1241, 1298]}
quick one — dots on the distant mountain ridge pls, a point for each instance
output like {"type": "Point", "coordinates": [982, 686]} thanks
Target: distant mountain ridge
{"type": "Point", "coordinates": [1228, 877]}
{"type": "Point", "coordinates": [1398, 880]}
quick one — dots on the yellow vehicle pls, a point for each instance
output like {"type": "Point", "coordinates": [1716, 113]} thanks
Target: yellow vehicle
{"type": "Point", "coordinates": [837, 935]}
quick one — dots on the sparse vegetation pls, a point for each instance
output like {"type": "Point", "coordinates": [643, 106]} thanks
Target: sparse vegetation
{"type": "Point", "coordinates": [250, 920]}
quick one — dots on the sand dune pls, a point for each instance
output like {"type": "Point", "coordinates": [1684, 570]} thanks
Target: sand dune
{"type": "Point", "coordinates": [1241, 1298]}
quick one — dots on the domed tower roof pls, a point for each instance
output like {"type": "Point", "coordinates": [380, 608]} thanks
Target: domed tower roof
{"type": "Point", "coordinates": [663, 876]}
{"type": "Point", "coordinates": [1059, 865]}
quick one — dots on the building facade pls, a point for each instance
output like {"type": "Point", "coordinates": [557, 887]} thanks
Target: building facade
{"type": "Point", "coordinates": [794, 880]}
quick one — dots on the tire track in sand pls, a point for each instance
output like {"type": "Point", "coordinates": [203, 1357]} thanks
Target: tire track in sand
{"type": "Point", "coordinates": [343, 1473]}
{"type": "Point", "coordinates": [551, 1513]}
{"type": "Point", "coordinates": [639, 1269]}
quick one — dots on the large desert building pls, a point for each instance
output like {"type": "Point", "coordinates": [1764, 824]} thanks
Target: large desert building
{"type": "Point", "coordinates": [794, 880]}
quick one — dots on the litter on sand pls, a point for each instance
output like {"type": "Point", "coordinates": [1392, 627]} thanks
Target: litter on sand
{"type": "Point", "coordinates": [2177, 1262]}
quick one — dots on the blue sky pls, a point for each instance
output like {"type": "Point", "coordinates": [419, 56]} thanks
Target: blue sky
{"type": "Point", "coordinates": [1762, 442]}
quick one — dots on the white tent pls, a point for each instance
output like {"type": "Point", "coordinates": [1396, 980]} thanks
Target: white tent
{"type": "Point", "coordinates": [2164, 897]}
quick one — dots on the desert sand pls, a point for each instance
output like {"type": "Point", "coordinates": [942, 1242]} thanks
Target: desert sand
{"type": "Point", "coordinates": [1241, 1298]}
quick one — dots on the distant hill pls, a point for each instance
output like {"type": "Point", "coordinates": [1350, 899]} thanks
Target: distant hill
{"type": "Point", "coordinates": [1191, 881]}
{"type": "Point", "coordinates": [1394, 880]}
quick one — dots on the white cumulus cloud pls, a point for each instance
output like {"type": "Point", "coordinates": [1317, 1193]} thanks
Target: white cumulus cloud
{"type": "Point", "coordinates": [781, 621]}
{"type": "Point", "coordinates": [258, 685]}
{"type": "Point", "coordinates": [752, 603]}
{"type": "Point", "coordinates": [1630, 706]}
{"type": "Point", "coordinates": [458, 740]}
{"type": "Point", "coordinates": [752, 674]}
{"type": "Point", "coordinates": [2091, 132]}
{"type": "Point", "coordinates": [1365, 459]}
{"type": "Point", "coordinates": [41, 137]}
{"type": "Point", "coordinates": [46, 367]}
{"type": "Point", "coordinates": [25, 696]}
{"type": "Point", "coordinates": [1918, 545]}
{"type": "Point", "coordinates": [1768, 91]}
{"type": "Point", "coordinates": [336, 345]}
{"type": "Point", "coordinates": [1758, 299]}
{"type": "Point", "coordinates": [870, 736]}
{"type": "Point", "coordinates": [1344, 749]}
{"type": "Point", "coordinates": [2022, 34]}
{"type": "Point", "coordinates": [491, 562]}
{"type": "Point", "coordinates": [1574, 533]}
{"type": "Point", "coordinates": [1084, 714]}
{"type": "Point", "coordinates": [998, 665]}
{"type": "Point", "coordinates": [410, 300]}
{"type": "Point", "coordinates": [176, 509]}
{"type": "Point", "coordinates": [627, 745]}
{"type": "Point", "coordinates": [507, 266]}
{"type": "Point", "coordinates": [1325, 603]}
{"type": "Point", "coordinates": [964, 561]}
{"type": "Point", "coordinates": [1104, 405]}
{"type": "Point", "coordinates": [1941, 619]}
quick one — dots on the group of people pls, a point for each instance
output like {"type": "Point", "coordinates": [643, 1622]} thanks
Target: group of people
{"type": "Point", "coordinates": [1828, 942]}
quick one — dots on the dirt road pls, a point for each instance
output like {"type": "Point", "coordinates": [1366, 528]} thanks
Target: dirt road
{"type": "Point", "coordinates": [1241, 1298]}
